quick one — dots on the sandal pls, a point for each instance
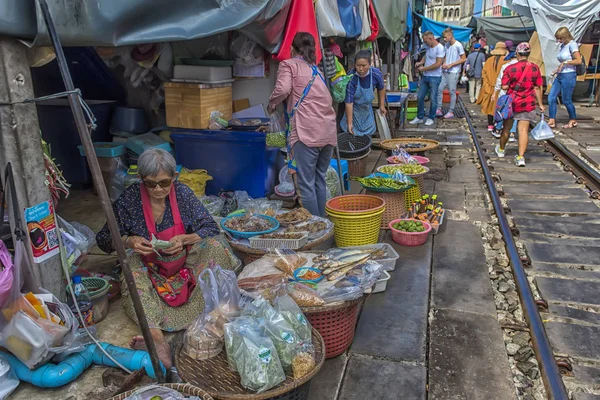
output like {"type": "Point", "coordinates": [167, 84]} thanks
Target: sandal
{"type": "Point", "coordinates": [552, 125]}
{"type": "Point", "coordinates": [571, 124]}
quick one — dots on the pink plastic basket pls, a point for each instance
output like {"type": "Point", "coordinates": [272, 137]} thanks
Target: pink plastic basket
{"type": "Point", "coordinates": [409, 238]}
{"type": "Point", "coordinates": [420, 159]}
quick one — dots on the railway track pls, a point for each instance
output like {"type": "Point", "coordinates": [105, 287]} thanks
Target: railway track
{"type": "Point", "coordinates": [548, 208]}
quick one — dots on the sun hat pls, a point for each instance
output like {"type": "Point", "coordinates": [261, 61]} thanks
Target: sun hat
{"type": "Point", "coordinates": [523, 48]}
{"type": "Point", "coordinates": [499, 49]}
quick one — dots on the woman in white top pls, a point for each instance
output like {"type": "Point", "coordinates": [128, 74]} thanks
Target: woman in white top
{"type": "Point", "coordinates": [566, 77]}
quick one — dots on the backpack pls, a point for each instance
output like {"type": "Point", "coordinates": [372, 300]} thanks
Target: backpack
{"type": "Point", "coordinates": [338, 89]}
{"type": "Point", "coordinates": [581, 69]}
{"type": "Point", "coordinates": [504, 109]}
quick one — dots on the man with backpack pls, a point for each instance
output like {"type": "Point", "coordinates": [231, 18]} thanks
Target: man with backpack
{"type": "Point", "coordinates": [473, 71]}
{"type": "Point", "coordinates": [523, 84]}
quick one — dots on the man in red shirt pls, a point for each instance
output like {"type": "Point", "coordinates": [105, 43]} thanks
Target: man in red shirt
{"type": "Point", "coordinates": [522, 81]}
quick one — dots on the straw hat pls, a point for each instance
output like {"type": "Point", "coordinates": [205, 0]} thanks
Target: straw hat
{"type": "Point", "coordinates": [500, 49]}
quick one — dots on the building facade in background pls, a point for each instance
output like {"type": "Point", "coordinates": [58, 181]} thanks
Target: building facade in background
{"type": "Point", "coordinates": [450, 11]}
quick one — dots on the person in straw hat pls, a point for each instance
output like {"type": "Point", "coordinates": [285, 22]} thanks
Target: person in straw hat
{"type": "Point", "coordinates": [491, 69]}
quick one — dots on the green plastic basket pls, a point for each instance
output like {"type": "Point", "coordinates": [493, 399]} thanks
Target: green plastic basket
{"type": "Point", "coordinates": [97, 287]}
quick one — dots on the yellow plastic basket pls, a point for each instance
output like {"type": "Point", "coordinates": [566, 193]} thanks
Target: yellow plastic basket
{"type": "Point", "coordinates": [356, 230]}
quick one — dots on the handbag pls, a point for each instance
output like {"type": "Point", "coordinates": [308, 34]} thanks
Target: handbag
{"type": "Point", "coordinates": [471, 69]}
{"type": "Point", "coordinates": [581, 69]}
{"type": "Point", "coordinates": [504, 109]}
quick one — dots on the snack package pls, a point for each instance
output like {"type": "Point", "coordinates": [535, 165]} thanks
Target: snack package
{"type": "Point", "coordinates": [253, 355]}
{"type": "Point", "coordinates": [288, 261]}
{"type": "Point", "coordinates": [217, 121]}
{"type": "Point", "coordinates": [213, 205]}
{"type": "Point", "coordinates": [303, 295]}
{"type": "Point", "coordinates": [402, 156]}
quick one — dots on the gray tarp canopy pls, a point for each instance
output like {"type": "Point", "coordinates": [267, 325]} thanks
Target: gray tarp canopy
{"type": "Point", "coordinates": [498, 29]}
{"type": "Point", "coordinates": [391, 15]}
{"type": "Point", "coordinates": [128, 22]}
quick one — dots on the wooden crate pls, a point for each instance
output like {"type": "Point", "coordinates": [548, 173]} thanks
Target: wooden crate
{"type": "Point", "coordinates": [189, 105]}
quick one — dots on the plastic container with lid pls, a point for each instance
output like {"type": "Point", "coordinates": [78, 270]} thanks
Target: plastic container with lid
{"type": "Point", "coordinates": [132, 176]}
{"type": "Point", "coordinates": [138, 144]}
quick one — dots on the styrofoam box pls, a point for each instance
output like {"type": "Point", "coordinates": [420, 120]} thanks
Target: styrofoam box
{"type": "Point", "coordinates": [381, 284]}
{"type": "Point", "coordinates": [202, 73]}
{"type": "Point", "coordinates": [388, 263]}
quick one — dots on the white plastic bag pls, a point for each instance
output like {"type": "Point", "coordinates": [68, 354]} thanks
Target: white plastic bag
{"type": "Point", "coordinates": [542, 131]}
{"type": "Point", "coordinates": [8, 379]}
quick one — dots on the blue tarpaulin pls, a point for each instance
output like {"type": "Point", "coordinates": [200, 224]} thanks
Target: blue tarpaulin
{"type": "Point", "coordinates": [460, 33]}
{"type": "Point", "coordinates": [350, 16]}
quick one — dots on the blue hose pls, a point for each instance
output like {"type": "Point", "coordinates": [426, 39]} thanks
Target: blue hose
{"type": "Point", "coordinates": [56, 375]}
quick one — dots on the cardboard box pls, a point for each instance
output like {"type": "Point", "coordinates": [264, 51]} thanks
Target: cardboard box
{"type": "Point", "coordinates": [188, 105]}
{"type": "Point", "coordinates": [241, 104]}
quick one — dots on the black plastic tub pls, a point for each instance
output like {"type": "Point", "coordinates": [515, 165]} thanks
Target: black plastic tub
{"type": "Point", "coordinates": [352, 146]}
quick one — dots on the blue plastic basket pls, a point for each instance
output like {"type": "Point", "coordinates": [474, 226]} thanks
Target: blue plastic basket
{"type": "Point", "coordinates": [105, 149]}
{"type": "Point", "coordinates": [247, 235]}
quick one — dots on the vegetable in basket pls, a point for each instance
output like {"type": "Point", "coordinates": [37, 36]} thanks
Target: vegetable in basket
{"type": "Point", "coordinates": [287, 307]}
{"type": "Point", "coordinates": [408, 169]}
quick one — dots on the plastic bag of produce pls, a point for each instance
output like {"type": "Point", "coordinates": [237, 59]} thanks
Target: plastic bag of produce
{"type": "Point", "coordinates": [287, 261]}
{"type": "Point", "coordinates": [213, 204]}
{"type": "Point", "coordinates": [195, 179]}
{"type": "Point", "coordinates": [261, 206]}
{"type": "Point", "coordinates": [287, 307]}
{"type": "Point", "coordinates": [220, 291]}
{"type": "Point", "coordinates": [217, 121]}
{"type": "Point", "coordinates": [402, 156]}
{"type": "Point", "coordinates": [332, 180]}
{"type": "Point", "coordinates": [253, 354]}
{"type": "Point", "coordinates": [542, 131]}
{"type": "Point", "coordinates": [275, 133]}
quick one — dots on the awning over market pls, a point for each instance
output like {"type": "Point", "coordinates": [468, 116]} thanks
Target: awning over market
{"type": "Point", "coordinates": [121, 23]}
{"type": "Point", "coordinates": [461, 33]}
{"type": "Point", "coordinates": [498, 29]}
{"type": "Point", "coordinates": [549, 15]}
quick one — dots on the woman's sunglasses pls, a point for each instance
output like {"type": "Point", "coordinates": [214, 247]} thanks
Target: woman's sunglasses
{"type": "Point", "coordinates": [165, 183]}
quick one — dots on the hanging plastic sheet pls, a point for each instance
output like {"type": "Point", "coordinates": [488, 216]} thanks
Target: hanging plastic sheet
{"type": "Point", "coordinates": [351, 18]}
{"type": "Point", "coordinates": [374, 22]}
{"type": "Point", "coordinates": [131, 22]}
{"type": "Point", "coordinates": [498, 29]}
{"type": "Point", "coordinates": [301, 18]}
{"type": "Point", "coordinates": [392, 18]}
{"type": "Point", "coordinates": [548, 16]}
{"type": "Point", "coordinates": [330, 22]}
{"type": "Point", "coordinates": [460, 33]}
{"type": "Point", "coordinates": [365, 23]}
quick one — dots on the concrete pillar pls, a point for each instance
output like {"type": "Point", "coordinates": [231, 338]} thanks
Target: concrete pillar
{"type": "Point", "coordinates": [20, 144]}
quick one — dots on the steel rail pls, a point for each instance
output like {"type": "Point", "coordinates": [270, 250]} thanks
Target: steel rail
{"type": "Point", "coordinates": [585, 174]}
{"type": "Point", "coordinates": [549, 370]}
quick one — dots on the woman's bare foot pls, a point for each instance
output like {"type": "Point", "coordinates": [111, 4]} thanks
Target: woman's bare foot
{"type": "Point", "coordinates": [552, 123]}
{"type": "Point", "coordinates": [162, 348]}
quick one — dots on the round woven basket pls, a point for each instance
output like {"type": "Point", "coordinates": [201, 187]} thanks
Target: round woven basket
{"type": "Point", "coordinates": [410, 238]}
{"type": "Point", "coordinates": [358, 166]}
{"type": "Point", "coordinates": [395, 205]}
{"type": "Point", "coordinates": [391, 144]}
{"type": "Point", "coordinates": [352, 146]}
{"type": "Point", "coordinates": [415, 193]}
{"type": "Point", "coordinates": [215, 377]}
{"type": "Point", "coordinates": [337, 325]}
{"type": "Point", "coordinates": [183, 388]}
{"type": "Point", "coordinates": [354, 204]}
{"type": "Point", "coordinates": [351, 230]}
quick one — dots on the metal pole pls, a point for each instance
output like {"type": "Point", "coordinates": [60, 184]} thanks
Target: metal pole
{"type": "Point", "coordinates": [543, 352]}
{"type": "Point", "coordinates": [86, 140]}
{"type": "Point", "coordinates": [337, 150]}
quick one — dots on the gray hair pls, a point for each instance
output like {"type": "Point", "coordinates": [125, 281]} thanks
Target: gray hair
{"type": "Point", "coordinates": [154, 161]}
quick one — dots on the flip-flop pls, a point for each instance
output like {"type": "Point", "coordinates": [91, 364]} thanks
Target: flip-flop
{"type": "Point", "coordinates": [570, 125]}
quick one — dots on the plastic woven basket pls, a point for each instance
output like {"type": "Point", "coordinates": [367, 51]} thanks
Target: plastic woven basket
{"type": "Point", "coordinates": [247, 235]}
{"type": "Point", "coordinates": [415, 193]}
{"type": "Point", "coordinates": [427, 144]}
{"type": "Point", "coordinates": [266, 243]}
{"type": "Point", "coordinates": [183, 388]}
{"type": "Point", "coordinates": [409, 238]}
{"type": "Point", "coordinates": [336, 325]}
{"type": "Point", "coordinates": [352, 146]}
{"type": "Point", "coordinates": [395, 206]}
{"type": "Point", "coordinates": [354, 204]}
{"type": "Point", "coordinates": [420, 159]}
{"type": "Point", "coordinates": [97, 287]}
{"type": "Point", "coordinates": [356, 230]}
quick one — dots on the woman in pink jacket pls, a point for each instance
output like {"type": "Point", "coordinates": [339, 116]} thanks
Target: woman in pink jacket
{"type": "Point", "coordinates": [311, 129]}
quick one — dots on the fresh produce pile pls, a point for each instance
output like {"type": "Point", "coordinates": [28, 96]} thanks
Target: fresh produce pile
{"type": "Point", "coordinates": [409, 226]}
{"type": "Point", "coordinates": [408, 169]}
{"type": "Point", "coordinates": [248, 223]}
{"type": "Point", "coordinates": [381, 183]}
{"type": "Point", "coordinates": [295, 216]}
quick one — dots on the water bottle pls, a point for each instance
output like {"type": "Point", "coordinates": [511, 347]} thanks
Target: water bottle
{"type": "Point", "coordinates": [132, 176]}
{"type": "Point", "coordinates": [84, 301]}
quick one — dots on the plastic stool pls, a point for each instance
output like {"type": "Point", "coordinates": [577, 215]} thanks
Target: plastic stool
{"type": "Point", "coordinates": [345, 174]}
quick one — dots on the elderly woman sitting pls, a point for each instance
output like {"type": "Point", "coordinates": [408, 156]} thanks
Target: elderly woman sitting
{"type": "Point", "coordinates": [166, 282]}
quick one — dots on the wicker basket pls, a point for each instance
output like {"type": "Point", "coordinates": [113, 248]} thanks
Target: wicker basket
{"type": "Point", "coordinates": [183, 388]}
{"type": "Point", "coordinates": [356, 219]}
{"type": "Point", "coordinates": [392, 143]}
{"type": "Point", "coordinates": [358, 166]}
{"type": "Point", "coordinates": [336, 324]}
{"type": "Point", "coordinates": [215, 377]}
{"type": "Point", "coordinates": [395, 205]}
{"type": "Point", "coordinates": [355, 204]}
{"type": "Point", "coordinates": [352, 146]}
{"type": "Point", "coordinates": [410, 238]}
{"type": "Point", "coordinates": [414, 194]}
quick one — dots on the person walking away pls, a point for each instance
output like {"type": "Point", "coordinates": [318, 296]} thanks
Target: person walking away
{"type": "Point", "coordinates": [455, 58]}
{"type": "Point", "coordinates": [431, 67]}
{"type": "Point", "coordinates": [359, 118]}
{"type": "Point", "coordinates": [498, 92]}
{"type": "Point", "coordinates": [522, 81]}
{"type": "Point", "coordinates": [510, 46]}
{"type": "Point", "coordinates": [473, 71]}
{"type": "Point", "coordinates": [311, 129]}
{"type": "Point", "coordinates": [566, 77]}
{"type": "Point", "coordinates": [490, 72]}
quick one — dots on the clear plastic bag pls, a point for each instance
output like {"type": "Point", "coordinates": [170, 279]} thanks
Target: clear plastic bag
{"type": "Point", "coordinates": [156, 391]}
{"type": "Point", "coordinates": [286, 185]}
{"type": "Point", "coordinates": [84, 238]}
{"type": "Point", "coordinates": [402, 156]}
{"type": "Point", "coordinates": [332, 180]}
{"type": "Point", "coordinates": [355, 283]}
{"type": "Point", "coordinates": [213, 205]}
{"type": "Point", "coordinates": [217, 121]}
{"type": "Point", "coordinates": [220, 291]}
{"type": "Point", "coordinates": [275, 133]}
{"type": "Point", "coordinates": [287, 307]}
{"type": "Point", "coordinates": [287, 261]}
{"type": "Point", "coordinates": [261, 206]}
{"type": "Point", "coordinates": [8, 379]}
{"type": "Point", "coordinates": [542, 131]}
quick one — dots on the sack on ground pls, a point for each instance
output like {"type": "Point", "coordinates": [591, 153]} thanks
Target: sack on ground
{"type": "Point", "coordinates": [542, 131]}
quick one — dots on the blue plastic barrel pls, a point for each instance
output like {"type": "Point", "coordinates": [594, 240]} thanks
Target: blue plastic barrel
{"type": "Point", "coordinates": [235, 160]}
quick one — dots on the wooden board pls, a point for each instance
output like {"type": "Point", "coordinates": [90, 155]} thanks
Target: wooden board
{"type": "Point", "coordinates": [188, 105]}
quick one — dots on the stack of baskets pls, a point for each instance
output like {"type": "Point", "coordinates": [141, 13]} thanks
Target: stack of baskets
{"type": "Point", "coordinates": [413, 194]}
{"type": "Point", "coordinates": [356, 219]}
{"type": "Point", "coordinates": [355, 149]}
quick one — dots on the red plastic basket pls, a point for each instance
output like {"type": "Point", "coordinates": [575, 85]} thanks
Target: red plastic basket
{"type": "Point", "coordinates": [410, 238]}
{"type": "Point", "coordinates": [420, 159]}
{"type": "Point", "coordinates": [337, 326]}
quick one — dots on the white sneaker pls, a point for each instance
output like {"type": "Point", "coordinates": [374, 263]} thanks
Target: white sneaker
{"type": "Point", "coordinates": [512, 138]}
{"type": "Point", "coordinates": [429, 122]}
{"type": "Point", "coordinates": [520, 161]}
{"type": "Point", "coordinates": [499, 152]}
{"type": "Point", "coordinates": [496, 134]}
{"type": "Point", "coordinates": [416, 121]}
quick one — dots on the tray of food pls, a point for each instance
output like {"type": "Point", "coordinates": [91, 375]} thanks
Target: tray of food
{"type": "Point", "coordinates": [245, 226]}
{"type": "Point", "coordinates": [295, 216]}
{"type": "Point", "coordinates": [316, 227]}
{"type": "Point", "coordinates": [248, 124]}
{"type": "Point", "coordinates": [284, 240]}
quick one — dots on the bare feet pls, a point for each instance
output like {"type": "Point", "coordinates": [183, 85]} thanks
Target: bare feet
{"type": "Point", "coordinates": [162, 348]}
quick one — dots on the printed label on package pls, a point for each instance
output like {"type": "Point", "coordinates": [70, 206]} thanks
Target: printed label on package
{"type": "Point", "coordinates": [42, 230]}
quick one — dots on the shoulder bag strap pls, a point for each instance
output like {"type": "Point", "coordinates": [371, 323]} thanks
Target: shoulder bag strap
{"type": "Point", "coordinates": [518, 85]}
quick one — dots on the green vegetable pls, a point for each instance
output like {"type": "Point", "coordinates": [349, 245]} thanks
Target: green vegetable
{"type": "Point", "coordinates": [276, 139]}
{"type": "Point", "coordinates": [156, 398]}
{"type": "Point", "coordinates": [407, 169]}
{"type": "Point", "coordinates": [294, 316]}
{"type": "Point", "coordinates": [381, 183]}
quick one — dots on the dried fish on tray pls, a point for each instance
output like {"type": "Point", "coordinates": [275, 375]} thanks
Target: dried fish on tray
{"type": "Point", "coordinates": [294, 217]}
{"type": "Point", "coordinates": [311, 227]}
{"type": "Point", "coordinates": [248, 223]}
{"type": "Point", "coordinates": [335, 263]}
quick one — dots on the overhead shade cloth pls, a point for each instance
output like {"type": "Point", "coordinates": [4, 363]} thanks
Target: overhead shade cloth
{"type": "Point", "coordinates": [461, 34]}
{"type": "Point", "coordinates": [548, 16]}
{"type": "Point", "coordinates": [130, 22]}
{"type": "Point", "coordinates": [392, 18]}
{"type": "Point", "coordinates": [499, 29]}
{"type": "Point", "coordinates": [330, 22]}
{"type": "Point", "coordinates": [300, 19]}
